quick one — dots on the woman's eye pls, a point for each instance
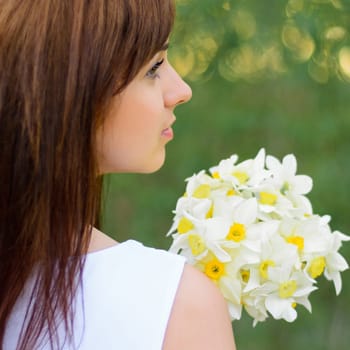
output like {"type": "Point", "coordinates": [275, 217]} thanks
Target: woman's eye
{"type": "Point", "coordinates": [153, 72]}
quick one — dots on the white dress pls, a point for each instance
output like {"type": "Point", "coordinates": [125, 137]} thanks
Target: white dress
{"type": "Point", "coordinates": [126, 300]}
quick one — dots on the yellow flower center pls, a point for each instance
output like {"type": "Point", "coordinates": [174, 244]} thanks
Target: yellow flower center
{"type": "Point", "coordinates": [287, 289]}
{"type": "Point", "coordinates": [215, 175]}
{"type": "Point", "coordinates": [230, 192]}
{"type": "Point", "coordinates": [317, 267]}
{"type": "Point", "coordinates": [210, 212]}
{"type": "Point", "coordinates": [296, 240]}
{"type": "Point", "coordinates": [241, 176]}
{"type": "Point", "coordinates": [263, 268]}
{"type": "Point", "coordinates": [236, 233]}
{"type": "Point", "coordinates": [202, 191]}
{"type": "Point", "coordinates": [268, 198]}
{"type": "Point", "coordinates": [214, 269]}
{"type": "Point", "coordinates": [294, 305]}
{"type": "Point", "coordinates": [184, 225]}
{"type": "Point", "coordinates": [245, 274]}
{"type": "Point", "coordinates": [196, 244]}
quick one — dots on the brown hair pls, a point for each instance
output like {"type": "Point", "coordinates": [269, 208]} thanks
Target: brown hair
{"type": "Point", "coordinates": [61, 61]}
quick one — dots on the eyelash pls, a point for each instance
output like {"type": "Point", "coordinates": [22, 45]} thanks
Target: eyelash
{"type": "Point", "coordinates": [152, 73]}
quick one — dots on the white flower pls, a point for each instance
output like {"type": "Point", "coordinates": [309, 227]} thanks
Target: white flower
{"type": "Point", "coordinates": [275, 252]}
{"type": "Point", "coordinates": [309, 235]}
{"type": "Point", "coordinates": [335, 263]}
{"type": "Point", "coordinates": [225, 168]}
{"type": "Point", "coordinates": [284, 290]}
{"type": "Point", "coordinates": [239, 228]}
{"type": "Point", "coordinates": [271, 201]}
{"type": "Point", "coordinates": [252, 231]}
{"type": "Point", "coordinates": [200, 185]}
{"type": "Point", "coordinates": [255, 307]}
{"type": "Point", "coordinates": [285, 178]}
{"type": "Point", "coordinates": [318, 247]}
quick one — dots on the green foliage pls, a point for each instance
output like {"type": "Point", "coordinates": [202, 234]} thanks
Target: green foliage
{"type": "Point", "coordinates": [258, 40]}
{"type": "Point", "coordinates": [271, 74]}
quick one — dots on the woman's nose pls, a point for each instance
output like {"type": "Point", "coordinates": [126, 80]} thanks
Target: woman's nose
{"type": "Point", "coordinates": [177, 91]}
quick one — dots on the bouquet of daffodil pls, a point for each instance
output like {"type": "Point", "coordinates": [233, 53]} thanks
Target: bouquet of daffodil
{"type": "Point", "coordinates": [250, 228]}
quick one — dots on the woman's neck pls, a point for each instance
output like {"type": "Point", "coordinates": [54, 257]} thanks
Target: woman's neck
{"type": "Point", "coordinates": [100, 241]}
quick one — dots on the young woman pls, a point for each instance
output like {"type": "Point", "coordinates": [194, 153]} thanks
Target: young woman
{"type": "Point", "coordinates": [86, 89]}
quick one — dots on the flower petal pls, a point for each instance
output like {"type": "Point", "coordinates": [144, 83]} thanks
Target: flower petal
{"type": "Point", "coordinates": [289, 163]}
{"type": "Point", "coordinates": [246, 212]}
{"type": "Point", "coordinates": [302, 184]}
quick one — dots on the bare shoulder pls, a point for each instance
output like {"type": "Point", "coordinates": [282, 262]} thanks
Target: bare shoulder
{"type": "Point", "coordinates": [199, 318]}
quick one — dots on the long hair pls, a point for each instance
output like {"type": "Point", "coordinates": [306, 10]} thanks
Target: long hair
{"type": "Point", "coordinates": [61, 62]}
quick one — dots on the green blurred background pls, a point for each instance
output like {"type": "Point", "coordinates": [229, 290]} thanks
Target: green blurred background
{"type": "Point", "coordinates": [264, 73]}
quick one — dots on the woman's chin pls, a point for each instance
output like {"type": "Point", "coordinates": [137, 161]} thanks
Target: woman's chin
{"type": "Point", "coordinates": [154, 166]}
{"type": "Point", "coordinates": [146, 166]}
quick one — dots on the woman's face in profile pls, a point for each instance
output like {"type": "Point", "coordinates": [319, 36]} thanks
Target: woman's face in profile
{"type": "Point", "coordinates": [138, 124]}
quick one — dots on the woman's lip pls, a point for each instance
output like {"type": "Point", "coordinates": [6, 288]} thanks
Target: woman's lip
{"type": "Point", "coordinates": [168, 133]}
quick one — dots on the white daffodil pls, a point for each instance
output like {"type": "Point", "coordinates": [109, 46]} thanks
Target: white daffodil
{"type": "Point", "coordinates": [276, 252]}
{"type": "Point", "coordinates": [188, 213]}
{"type": "Point", "coordinates": [335, 262]}
{"type": "Point", "coordinates": [225, 168]}
{"type": "Point", "coordinates": [188, 237]}
{"type": "Point", "coordinates": [318, 247]}
{"type": "Point", "coordinates": [308, 235]}
{"type": "Point", "coordinates": [213, 234]}
{"type": "Point", "coordinates": [240, 229]}
{"type": "Point", "coordinates": [198, 208]}
{"type": "Point", "coordinates": [200, 185]}
{"type": "Point", "coordinates": [285, 178]}
{"type": "Point", "coordinates": [255, 307]}
{"type": "Point", "coordinates": [284, 289]}
{"type": "Point", "coordinates": [190, 245]}
{"type": "Point", "coordinates": [272, 203]}
{"type": "Point", "coordinates": [250, 172]}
